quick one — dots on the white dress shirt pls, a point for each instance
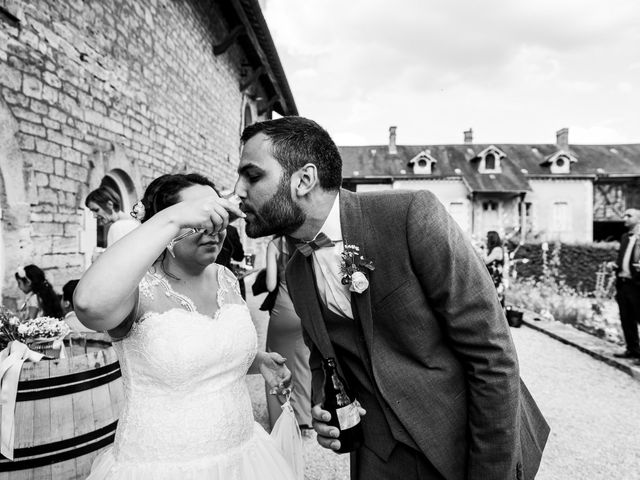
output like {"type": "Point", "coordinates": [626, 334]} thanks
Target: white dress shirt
{"type": "Point", "coordinates": [624, 270]}
{"type": "Point", "coordinates": [326, 266]}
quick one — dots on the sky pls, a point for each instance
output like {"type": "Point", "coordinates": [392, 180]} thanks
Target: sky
{"type": "Point", "coordinates": [515, 71]}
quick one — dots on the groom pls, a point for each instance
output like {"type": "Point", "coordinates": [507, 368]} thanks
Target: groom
{"type": "Point", "coordinates": [424, 343]}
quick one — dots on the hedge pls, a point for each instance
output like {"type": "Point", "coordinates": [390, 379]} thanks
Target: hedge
{"type": "Point", "coordinates": [577, 266]}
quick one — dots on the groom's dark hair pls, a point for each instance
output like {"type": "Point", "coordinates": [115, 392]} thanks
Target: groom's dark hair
{"type": "Point", "coordinates": [297, 141]}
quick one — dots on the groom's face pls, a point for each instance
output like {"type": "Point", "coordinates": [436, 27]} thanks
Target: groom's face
{"type": "Point", "coordinates": [265, 191]}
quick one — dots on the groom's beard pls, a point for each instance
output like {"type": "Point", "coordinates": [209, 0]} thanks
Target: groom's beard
{"type": "Point", "coordinates": [279, 215]}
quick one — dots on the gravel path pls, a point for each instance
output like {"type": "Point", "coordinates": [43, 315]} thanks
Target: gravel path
{"type": "Point", "coordinates": [593, 410]}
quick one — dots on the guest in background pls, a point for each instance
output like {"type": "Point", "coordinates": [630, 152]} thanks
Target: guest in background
{"type": "Point", "coordinates": [232, 250]}
{"type": "Point", "coordinates": [628, 284]}
{"type": "Point", "coordinates": [106, 207]}
{"type": "Point", "coordinates": [67, 307]}
{"type": "Point", "coordinates": [494, 260]}
{"type": "Point", "coordinates": [41, 300]}
{"type": "Point", "coordinates": [284, 335]}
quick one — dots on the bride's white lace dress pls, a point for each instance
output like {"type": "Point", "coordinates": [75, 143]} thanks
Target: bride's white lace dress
{"type": "Point", "coordinates": [187, 412]}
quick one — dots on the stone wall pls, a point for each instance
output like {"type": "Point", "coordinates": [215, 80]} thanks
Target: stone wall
{"type": "Point", "coordinates": [92, 87]}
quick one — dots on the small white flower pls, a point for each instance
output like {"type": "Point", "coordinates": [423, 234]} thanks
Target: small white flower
{"type": "Point", "coordinates": [359, 282]}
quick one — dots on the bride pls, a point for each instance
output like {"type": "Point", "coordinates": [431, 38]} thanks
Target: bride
{"type": "Point", "coordinates": [185, 341]}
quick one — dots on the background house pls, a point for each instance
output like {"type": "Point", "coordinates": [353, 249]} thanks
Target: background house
{"type": "Point", "coordinates": [117, 92]}
{"type": "Point", "coordinates": [573, 193]}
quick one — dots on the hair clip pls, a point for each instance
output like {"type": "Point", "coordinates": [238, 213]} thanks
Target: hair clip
{"type": "Point", "coordinates": [138, 211]}
{"type": "Point", "coordinates": [21, 272]}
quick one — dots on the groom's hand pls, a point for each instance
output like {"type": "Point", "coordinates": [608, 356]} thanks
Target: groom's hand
{"type": "Point", "coordinates": [327, 435]}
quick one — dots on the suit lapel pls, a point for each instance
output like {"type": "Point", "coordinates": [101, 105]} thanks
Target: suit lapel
{"type": "Point", "coordinates": [353, 229]}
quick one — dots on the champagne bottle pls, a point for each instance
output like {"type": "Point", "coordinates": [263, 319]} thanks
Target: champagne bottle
{"type": "Point", "coordinates": [342, 406]}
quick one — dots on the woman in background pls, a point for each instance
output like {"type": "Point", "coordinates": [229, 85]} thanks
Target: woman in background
{"type": "Point", "coordinates": [42, 300]}
{"type": "Point", "coordinates": [494, 260]}
{"type": "Point", "coordinates": [284, 336]}
{"type": "Point", "coordinates": [106, 208]}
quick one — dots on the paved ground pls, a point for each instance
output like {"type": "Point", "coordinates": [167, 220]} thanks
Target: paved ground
{"type": "Point", "coordinates": [592, 407]}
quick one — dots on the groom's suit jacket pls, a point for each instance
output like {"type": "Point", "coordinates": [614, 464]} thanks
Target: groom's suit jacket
{"type": "Point", "coordinates": [440, 349]}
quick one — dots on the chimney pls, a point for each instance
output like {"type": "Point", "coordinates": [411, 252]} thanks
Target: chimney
{"type": "Point", "coordinates": [562, 139]}
{"type": "Point", "coordinates": [392, 141]}
{"type": "Point", "coordinates": [468, 136]}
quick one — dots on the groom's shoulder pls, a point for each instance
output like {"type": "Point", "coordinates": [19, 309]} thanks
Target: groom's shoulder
{"type": "Point", "coordinates": [395, 198]}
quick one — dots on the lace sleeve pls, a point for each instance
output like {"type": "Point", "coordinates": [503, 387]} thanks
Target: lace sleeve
{"type": "Point", "coordinates": [228, 287]}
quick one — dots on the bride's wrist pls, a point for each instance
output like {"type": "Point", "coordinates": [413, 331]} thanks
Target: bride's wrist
{"type": "Point", "coordinates": [261, 358]}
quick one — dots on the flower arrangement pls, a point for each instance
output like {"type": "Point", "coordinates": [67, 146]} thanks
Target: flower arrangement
{"type": "Point", "coordinates": [43, 328]}
{"type": "Point", "coordinates": [9, 323]}
{"type": "Point", "coordinates": [40, 330]}
{"type": "Point", "coordinates": [353, 267]}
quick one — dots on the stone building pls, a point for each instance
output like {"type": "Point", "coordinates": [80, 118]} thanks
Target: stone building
{"type": "Point", "coordinates": [117, 92]}
{"type": "Point", "coordinates": [572, 193]}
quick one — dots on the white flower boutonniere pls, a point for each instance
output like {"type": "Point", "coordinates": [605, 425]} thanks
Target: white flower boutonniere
{"type": "Point", "coordinates": [353, 267]}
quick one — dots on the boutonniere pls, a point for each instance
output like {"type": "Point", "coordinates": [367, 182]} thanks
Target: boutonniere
{"type": "Point", "coordinates": [353, 267]}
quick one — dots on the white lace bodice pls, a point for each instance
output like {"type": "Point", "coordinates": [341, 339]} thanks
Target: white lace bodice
{"type": "Point", "coordinates": [183, 372]}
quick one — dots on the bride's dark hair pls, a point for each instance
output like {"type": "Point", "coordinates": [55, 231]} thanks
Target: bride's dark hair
{"type": "Point", "coordinates": [165, 190]}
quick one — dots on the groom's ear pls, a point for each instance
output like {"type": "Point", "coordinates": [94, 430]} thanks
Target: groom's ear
{"type": "Point", "coordinates": [304, 180]}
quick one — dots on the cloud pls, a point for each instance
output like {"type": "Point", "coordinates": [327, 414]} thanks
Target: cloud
{"type": "Point", "coordinates": [362, 65]}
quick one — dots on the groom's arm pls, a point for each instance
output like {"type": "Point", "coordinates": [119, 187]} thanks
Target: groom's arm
{"type": "Point", "coordinates": [459, 289]}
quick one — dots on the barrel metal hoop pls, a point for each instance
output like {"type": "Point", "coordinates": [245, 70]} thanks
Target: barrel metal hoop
{"type": "Point", "coordinates": [65, 379]}
{"type": "Point", "coordinates": [60, 451]}
{"type": "Point", "coordinates": [24, 396]}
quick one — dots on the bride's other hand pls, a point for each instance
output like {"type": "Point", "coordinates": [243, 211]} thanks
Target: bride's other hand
{"type": "Point", "coordinates": [275, 372]}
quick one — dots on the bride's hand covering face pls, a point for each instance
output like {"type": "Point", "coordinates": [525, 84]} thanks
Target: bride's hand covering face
{"type": "Point", "coordinates": [201, 207]}
{"type": "Point", "coordinates": [199, 211]}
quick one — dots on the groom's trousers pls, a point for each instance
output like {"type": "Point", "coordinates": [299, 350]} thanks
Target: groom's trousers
{"type": "Point", "coordinates": [404, 463]}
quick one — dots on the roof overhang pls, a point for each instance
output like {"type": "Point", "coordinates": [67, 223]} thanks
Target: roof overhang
{"type": "Point", "coordinates": [256, 41]}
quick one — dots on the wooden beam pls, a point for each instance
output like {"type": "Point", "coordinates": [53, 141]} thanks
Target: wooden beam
{"type": "Point", "coordinates": [259, 51]}
{"type": "Point", "coordinates": [227, 41]}
{"type": "Point", "coordinates": [252, 78]}
{"type": "Point", "coordinates": [265, 108]}
{"type": "Point", "coordinates": [7, 16]}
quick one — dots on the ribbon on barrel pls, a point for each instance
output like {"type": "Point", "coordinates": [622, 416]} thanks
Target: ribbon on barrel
{"type": "Point", "coordinates": [11, 360]}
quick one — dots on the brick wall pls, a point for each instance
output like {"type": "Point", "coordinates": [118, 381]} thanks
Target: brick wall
{"type": "Point", "coordinates": [82, 80]}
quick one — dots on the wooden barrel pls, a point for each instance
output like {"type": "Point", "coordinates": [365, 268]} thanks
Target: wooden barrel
{"type": "Point", "coordinates": [66, 413]}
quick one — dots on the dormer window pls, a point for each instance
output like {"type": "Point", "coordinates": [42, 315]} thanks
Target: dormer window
{"type": "Point", "coordinates": [490, 159]}
{"type": "Point", "coordinates": [422, 164]}
{"type": "Point", "coordinates": [560, 162]}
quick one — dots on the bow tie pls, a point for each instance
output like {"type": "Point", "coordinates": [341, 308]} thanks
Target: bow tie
{"type": "Point", "coordinates": [307, 248]}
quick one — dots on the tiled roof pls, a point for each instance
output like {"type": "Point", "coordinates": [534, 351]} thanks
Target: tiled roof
{"type": "Point", "coordinates": [458, 160]}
